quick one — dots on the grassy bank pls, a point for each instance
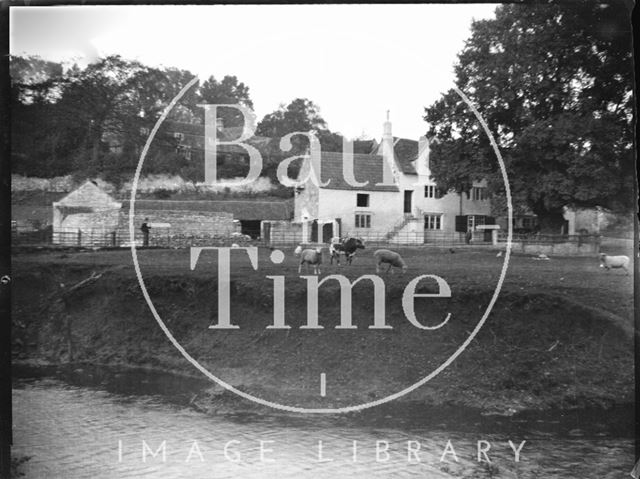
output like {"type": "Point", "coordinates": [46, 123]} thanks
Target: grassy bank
{"type": "Point", "coordinates": [560, 334]}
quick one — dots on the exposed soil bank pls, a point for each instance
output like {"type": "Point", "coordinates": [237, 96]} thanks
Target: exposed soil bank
{"type": "Point", "coordinates": [537, 350]}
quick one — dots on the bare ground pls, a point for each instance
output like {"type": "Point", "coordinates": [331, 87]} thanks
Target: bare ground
{"type": "Point", "coordinates": [559, 335]}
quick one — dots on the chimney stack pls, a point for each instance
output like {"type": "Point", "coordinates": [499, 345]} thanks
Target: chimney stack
{"type": "Point", "coordinates": [389, 173]}
{"type": "Point", "coordinates": [386, 129]}
{"type": "Point", "coordinates": [422, 165]}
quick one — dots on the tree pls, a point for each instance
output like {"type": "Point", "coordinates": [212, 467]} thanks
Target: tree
{"type": "Point", "coordinates": [553, 80]}
{"type": "Point", "coordinates": [102, 103]}
{"type": "Point", "coordinates": [37, 142]}
{"type": "Point", "coordinates": [93, 120]}
{"type": "Point", "coordinates": [228, 91]}
{"type": "Point", "coordinates": [299, 115]}
{"type": "Point", "coordinates": [32, 78]}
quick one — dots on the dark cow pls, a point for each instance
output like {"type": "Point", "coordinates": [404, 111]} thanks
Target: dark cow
{"type": "Point", "coordinates": [346, 246]}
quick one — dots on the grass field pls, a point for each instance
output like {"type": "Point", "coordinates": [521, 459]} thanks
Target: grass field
{"type": "Point", "coordinates": [560, 333]}
{"type": "Point", "coordinates": [579, 278]}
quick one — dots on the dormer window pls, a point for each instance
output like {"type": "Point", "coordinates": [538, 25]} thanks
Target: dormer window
{"type": "Point", "coordinates": [431, 191]}
{"type": "Point", "coordinates": [479, 193]}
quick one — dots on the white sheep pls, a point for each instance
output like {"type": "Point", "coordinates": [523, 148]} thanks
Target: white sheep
{"type": "Point", "coordinates": [391, 258]}
{"type": "Point", "coordinates": [310, 257]}
{"type": "Point", "coordinates": [609, 262]}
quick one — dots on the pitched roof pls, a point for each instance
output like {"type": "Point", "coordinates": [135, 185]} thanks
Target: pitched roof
{"type": "Point", "coordinates": [364, 146]}
{"type": "Point", "coordinates": [89, 195]}
{"type": "Point", "coordinates": [241, 209]}
{"type": "Point", "coordinates": [366, 168]}
{"type": "Point", "coordinates": [405, 152]}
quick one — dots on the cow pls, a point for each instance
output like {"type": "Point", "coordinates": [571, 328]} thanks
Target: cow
{"type": "Point", "coordinates": [347, 246]}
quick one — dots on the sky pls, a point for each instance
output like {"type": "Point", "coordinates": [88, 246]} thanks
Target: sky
{"type": "Point", "coordinates": [354, 61]}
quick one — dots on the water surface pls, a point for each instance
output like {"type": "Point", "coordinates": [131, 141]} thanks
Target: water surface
{"type": "Point", "coordinates": [97, 424]}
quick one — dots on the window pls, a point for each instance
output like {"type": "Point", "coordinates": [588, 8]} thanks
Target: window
{"type": "Point", "coordinates": [363, 220]}
{"type": "Point", "coordinates": [430, 191]}
{"type": "Point", "coordinates": [473, 221]}
{"type": "Point", "coordinates": [362, 200]}
{"type": "Point", "coordinates": [433, 222]}
{"type": "Point", "coordinates": [479, 193]}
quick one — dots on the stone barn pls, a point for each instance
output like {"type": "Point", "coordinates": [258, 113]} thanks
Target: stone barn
{"type": "Point", "coordinates": [188, 219]}
{"type": "Point", "coordinates": [88, 216]}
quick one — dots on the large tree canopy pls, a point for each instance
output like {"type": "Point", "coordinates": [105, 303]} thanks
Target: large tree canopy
{"type": "Point", "coordinates": [228, 91]}
{"type": "Point", "coordinates": [553, 80]}
{"type": "Point", "coordinates": [299, 115]}
{"type": "Point", "coordinates": [95, 120]}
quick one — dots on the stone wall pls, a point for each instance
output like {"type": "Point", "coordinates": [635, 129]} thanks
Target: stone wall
{"type": "Point", "coordinates": [571, 248]}
{"type": "Point", "coordinates": [186, 228]}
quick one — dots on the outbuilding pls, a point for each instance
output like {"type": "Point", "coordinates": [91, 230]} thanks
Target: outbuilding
{"type": "Point", "coordinates": [88, 216]}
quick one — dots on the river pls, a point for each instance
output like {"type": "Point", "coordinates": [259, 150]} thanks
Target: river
{"type": "Point", "coordinates": [105, 423]}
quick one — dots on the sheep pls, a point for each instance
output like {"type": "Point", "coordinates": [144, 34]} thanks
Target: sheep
{"type": "Point", "coordinates": [391, 258]}
{"type": "Point", "coordinates": [310, 257]}
{"type": "Point", "coordinates": [609, 262]}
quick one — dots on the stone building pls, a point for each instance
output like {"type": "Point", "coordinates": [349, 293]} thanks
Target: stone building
{"type": "Point", "coordinates": [87, 216]}
{"type": "Point", "coordinates": [218, 218]}
{"type": "Point", "coordinates": [407, 207]}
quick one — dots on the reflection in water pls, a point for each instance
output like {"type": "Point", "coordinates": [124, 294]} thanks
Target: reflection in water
{"type": "Point", "coordinates": [75, 432]}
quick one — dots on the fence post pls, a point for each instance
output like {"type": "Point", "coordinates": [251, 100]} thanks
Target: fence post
{"type": "Point", "coordinates": [79, 237]}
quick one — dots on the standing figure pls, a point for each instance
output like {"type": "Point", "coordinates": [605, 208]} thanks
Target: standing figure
{"type": "Point", "coordinates": [145, 232]}
{"type": "Point", "coordinates": [468, 236]}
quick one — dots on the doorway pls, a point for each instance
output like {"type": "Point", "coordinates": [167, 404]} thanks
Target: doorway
{"type": "Point", "coordinates": [408, 194]}
{"type": "Point", "coordinates": [250, 227]}
{"type": "Point", "coordinates": [327, 232]}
